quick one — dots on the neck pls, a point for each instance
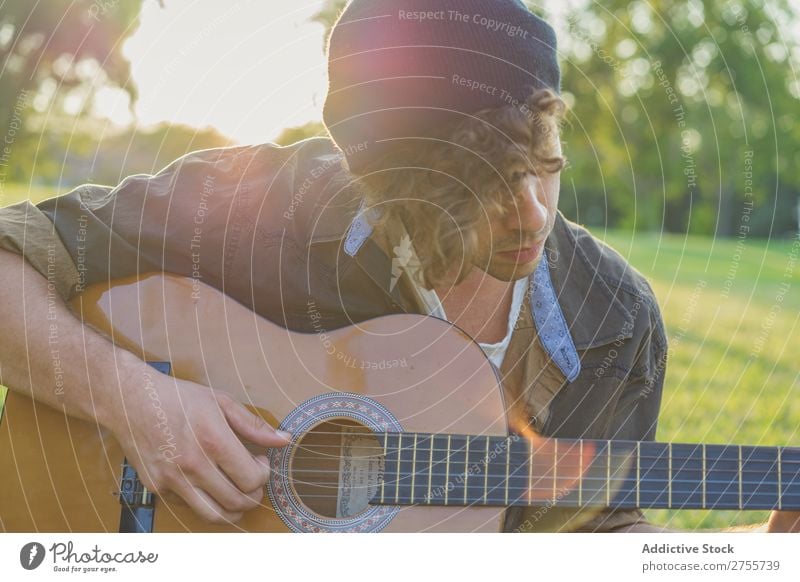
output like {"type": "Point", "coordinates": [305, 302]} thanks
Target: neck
{"type": "Point", "coordinates": [483, 470]}
{"type": "Point", "coordinates": [477, 291]}
{"type": "Point", "coordinates": [479, 305]}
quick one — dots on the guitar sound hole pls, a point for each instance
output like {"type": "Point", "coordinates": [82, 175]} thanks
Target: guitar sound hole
{"type": "Point", "coordinates": [336, 468]}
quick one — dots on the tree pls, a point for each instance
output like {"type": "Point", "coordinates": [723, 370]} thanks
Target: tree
{"type": "Point", "coordinates": [327, 17]}
{"type": "Point", "coordinates": [50, 48]}
{"type": "Point", "coordinates": [681, 112]}
{"type": "Point", "coordinates": [291, 135]}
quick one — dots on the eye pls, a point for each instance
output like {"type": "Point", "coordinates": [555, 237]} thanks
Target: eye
{"type": "Point", "coordinates": [518, 175]}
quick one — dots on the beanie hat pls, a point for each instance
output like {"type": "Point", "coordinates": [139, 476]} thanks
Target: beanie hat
{"type": "Point", "coordinates": [404, 69]}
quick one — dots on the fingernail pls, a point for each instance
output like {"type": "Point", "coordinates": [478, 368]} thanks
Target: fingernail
{"type": "Point", "coordinates": [284, 435]}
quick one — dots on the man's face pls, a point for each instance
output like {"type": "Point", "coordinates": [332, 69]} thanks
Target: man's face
{"type": "Point", "coordinates": [513, 244]}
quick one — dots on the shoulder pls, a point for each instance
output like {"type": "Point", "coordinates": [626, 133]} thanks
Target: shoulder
{"type": "Point", "coordinates": [607, 263]}
{"type": "Point", "coordinates": [301, 188]}
{"type": "Point", "coordinates": [290, 161]}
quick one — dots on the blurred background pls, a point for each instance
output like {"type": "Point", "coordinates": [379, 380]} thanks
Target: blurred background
{"type": "Point", "coordinates": [683, 142]}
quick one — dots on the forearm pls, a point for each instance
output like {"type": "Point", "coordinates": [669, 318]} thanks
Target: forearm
{"type": "Point", "coordinates": [47, 353]}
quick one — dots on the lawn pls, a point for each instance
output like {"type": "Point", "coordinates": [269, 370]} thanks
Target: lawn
{"type": "Point", "coordinates": [731, 308]}
{"type": "Point", "coordinates": [11, 193]}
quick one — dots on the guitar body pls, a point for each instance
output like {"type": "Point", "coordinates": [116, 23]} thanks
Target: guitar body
{"type": "Point", "coordinates": [331, 388]}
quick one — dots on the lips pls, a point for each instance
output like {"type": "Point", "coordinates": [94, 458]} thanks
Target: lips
{"type": "Point", "coordinates": [522, 255]}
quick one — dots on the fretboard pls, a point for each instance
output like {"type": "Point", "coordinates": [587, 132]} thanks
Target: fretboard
{"type": "Point", "coordinates": [443, 469]}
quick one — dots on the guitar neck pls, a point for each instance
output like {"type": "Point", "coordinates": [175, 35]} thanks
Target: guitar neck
{"type": "Point", "coordinates": [442, 469]}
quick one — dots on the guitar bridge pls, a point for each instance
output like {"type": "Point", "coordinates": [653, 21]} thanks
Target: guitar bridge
{"type": "Point", "coordinates": [138, 504]}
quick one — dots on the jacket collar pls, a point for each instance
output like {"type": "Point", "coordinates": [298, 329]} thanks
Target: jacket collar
{"type": "Point", "coordinates": [592, 306]}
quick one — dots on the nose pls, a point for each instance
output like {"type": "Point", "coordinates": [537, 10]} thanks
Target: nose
{"type": "Point", "coordinates": [527, 212]}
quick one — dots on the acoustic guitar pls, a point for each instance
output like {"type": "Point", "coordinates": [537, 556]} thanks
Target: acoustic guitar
{"type": "Point", "coordinates": [398, 424]}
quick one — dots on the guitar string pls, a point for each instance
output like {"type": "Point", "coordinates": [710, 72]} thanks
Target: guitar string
{"type": "Point", "coordinates": [546, 456]}
{"type": "Point", "coordinates": [545, 451]}
{"type": "Point", "coordinates": [732, 483]}
{"type": "Point", "coordinates": [548, 490]}
{"type": "Point", "coordinates": [603, 443]}
{"type": "Point", "coordinates": [574, 444]}
{"type": "Point", "coordinates": [563, 465]}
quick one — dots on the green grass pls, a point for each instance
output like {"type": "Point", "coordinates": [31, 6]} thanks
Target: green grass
{"type": "Point", "coordinates": [732, 324]}
{"type": "Point", "coordinates": [11, 193]}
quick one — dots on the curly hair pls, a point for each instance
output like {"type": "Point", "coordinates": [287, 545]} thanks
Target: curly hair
{"type": "Point", "coordinates": [443, 187]}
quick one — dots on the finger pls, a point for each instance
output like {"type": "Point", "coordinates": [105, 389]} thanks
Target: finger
{"type": "Point", "coordinates": [238, 466]}
{"type": "Point", "coordinates": [204, 506]}
{"type": "Point", "coordinates": [172, 498]}
{"type": "Point", "coordinates": [251, 426]}
{"type": "Point", "coordinates": [228, 453]}
{"type": "Point", "coordinates": [264, 462]}
{"type": "Point", "coordinates": [231, 496]}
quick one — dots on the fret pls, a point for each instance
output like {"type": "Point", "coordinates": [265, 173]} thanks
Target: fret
{"type": "Point", "coordinates": [391, 469]}
{"type": "Point", "coordinates": [497, 470]}
{"type": "Point", "coordinates": [414, 467]}
{"type": "Point", "coordinates": [519, 476]}
{"type": "Point", "coordinates": [780, 492]}
{"type": "Point", "coordinates": [705, 505]}
{"type": "Point", "coordinates": [687, 477]}
{"type": "Point", "coordinates": [430, 469]}
{"type": "Point", "coordinates": [740, 477]}
{"type": "Point", "coordinates": [638, 473]}
{"type": "Point", "coordinates": [790, 477]}
{"type": "Point", "coordinates": [581, 472]}
{"type": "Point", "coordinates": [466, 472]}
{"type": "Point", "coordinates": [475, 460]}
{"type": "Point", "coordinates": [594, 475]}
{"type": "Point", "coordinates": [440, 455]}
{"type": "Point", "coordinates": [486, 473]}
{"type": "Point", "coordinates": [624, 480]}
{"type": "Point", "coordinates": [458, 458]}
{"type": "Point", "coordinates": [447, 471]}
{"type": "Point", "coordinates": [508, 463]}
{"type": "Point", "coordinates": [608, 473]}
{"type": "Point", "coordinates": [385, 461]}
{"type": "Point", "coordinates": [722, 477]}
{"type": "Point", "coordinates": [421, 477]}
{"type": "Point", "coordinates": [669, 475]}
{"type": "Point", "coordinates": [555, 469]}
{"type": "Point", "coordinates": [760, 470]}
{"type": "Point", "coordinates": [653, 475]}
{"type": "Point", "coordinates": [530, 472]}
{"type": "Point", "coordinates": [397, 478]}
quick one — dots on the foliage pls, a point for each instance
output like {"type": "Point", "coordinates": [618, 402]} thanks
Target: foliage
{"type": "Point", "coordinates": [54, 48]}
{"type": "Point", "coordinates": [291, 135]}
{"type": "Point", "coordinates": [54, 56]}
{"type": "Point", "coordinates": [327, 17]}
{"type": "Point", "coordinates": [681, 113]}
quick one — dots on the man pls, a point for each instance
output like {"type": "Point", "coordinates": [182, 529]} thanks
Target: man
{"type": "Point", "coordinates": [437, 195]}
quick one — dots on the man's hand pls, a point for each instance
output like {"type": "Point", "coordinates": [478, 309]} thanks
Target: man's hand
{"type": "Point", "coordinates": [784, 522]}
{"type": "Point", "coordinates": [186, 439]}
{"type": "Point", "coordinates": [181, 437]}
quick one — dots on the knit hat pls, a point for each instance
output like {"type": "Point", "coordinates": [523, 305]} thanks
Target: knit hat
{"type": "Point", "coordinates": [407, 68]}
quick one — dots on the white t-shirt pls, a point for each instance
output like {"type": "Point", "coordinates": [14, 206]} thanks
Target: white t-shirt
{"type": "Point", "coordinates": [497, 351]}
